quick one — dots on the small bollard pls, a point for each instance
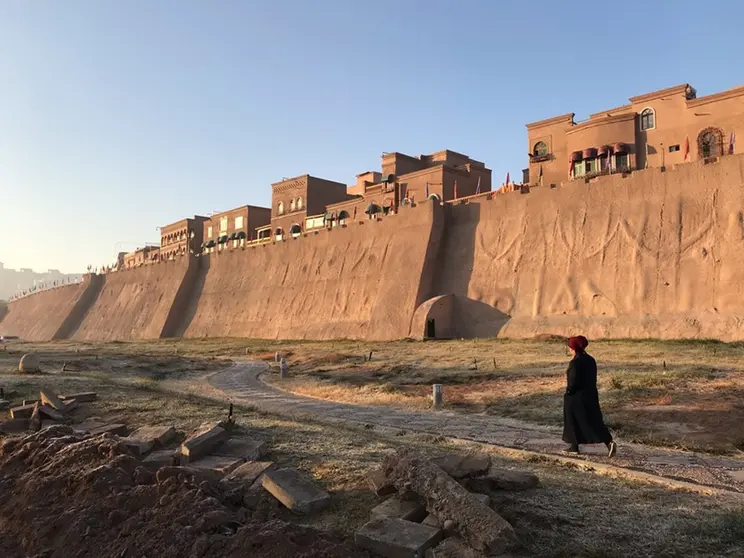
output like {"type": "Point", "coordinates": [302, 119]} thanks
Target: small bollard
{"type": "Point", "coordinates": [370, 356]}
{"type": "Point", "coordinates": [230, 414]}
{"type": "Point", "coordinates": [283, 369]}
{"type": "Point", "coordinates": [436, 395]}
{"type": "Point", "coordinates": [494, 364]}
{"type": "Point", "coordinates": [276, 357]}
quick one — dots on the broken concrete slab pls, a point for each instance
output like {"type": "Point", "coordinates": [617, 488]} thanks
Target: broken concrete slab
{"type": "Point", "coordinates": [460, 466]}
{"type": "Point", "coordinates": [52, 400]}
{"type": "Point", "coordinates": [244, 448]}
{"type": "Point", "coordinates": [397, 538]}
{"type": "Point", "coordinates": [499, 478]}
{"type": "Point", "coordinates": [23, 411]}
{"type": "Point", "coordinates": [34, 423]}
{"type": "Point", "coordinates": [160, 458]}
{"type": "Point", "coordinates": [70, 404]}
{"type": "Point", "coordinates": [221, 464]}
{"type": "Point", "coordinates": [203, 442]}
{"type": "Point", "coordinates": [83, 397]}
{"type": "Point", "coordinates": [14, 425]}
{"type": "Point", "coordinates": [410, 510]}
{"type": "Point", "coordinates": [31, 401]}
{"type": "Point", "coordinates": [50, 412]}
{"type": "Point", "coordinates": [295, 490]}
{"type": "Point", "coordinates": [115, 428]}
{"type": "Point", "coordinates": [249, 472]}
{"type": "Point", "coordinates": [453, 548]}
{"type": "Point", "coordinates": [379, 483]}
{"type": "Point", "coordinates": [143, 439]}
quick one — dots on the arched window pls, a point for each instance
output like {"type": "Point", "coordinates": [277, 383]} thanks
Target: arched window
{"type": "Point", "coordinates": [343, 215]}
{"type": "Point", "coordinates": [540, 149]}
{"type": "Point", "coordinates": [434, 197]}
{"type": "Point", "coordinates": [295, 230]}
{"type": "Point", "coordinates": [280, 209]}
{"type": "Point", "coordinates": [648, 119]}
{"type": "Point", "coordinates": [291, 205]}
{"type": "Point", "coordinates": [710, 143]}
{"type": "Point", "coordinates": [299, 203]}
{"type": "Point", "coordinates": [278, 232]}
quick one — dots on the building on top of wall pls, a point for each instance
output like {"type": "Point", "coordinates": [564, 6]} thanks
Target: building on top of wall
{"type": "Point", "coordinates": [658, 129]}
{"type": "Point", "coordinates": [294, 201]}
{"type": "Point", "coordinates": [141, 256]}
{"type": "Point", "coordinates": [443, 176]}
{"type": "Point", "coordinates": [182, 237]}
{"type": "Point", "coordinates": [233, 228]}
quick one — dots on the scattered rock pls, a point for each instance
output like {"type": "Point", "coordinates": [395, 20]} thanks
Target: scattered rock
{"type": "Point", "coordinates": [460, 466]}
{"type": "Point", "coordinates": [295, 490]}
{"type": "Point", "coordinates": [431, 520]}
{"type": "Point", "coordinates": [29, 363]}
{"type": "Point", "coordinates": [379, 483]}
{"type": "Point", "coordinates": [52, 400]}
{"type": "Point", "coordinates": [397, 538]}
{"type": "Point", "coordinates": [202, 442]}
{"type": "Point", "coordinates": [249, 472]}
{"type": "Point", "coordinates": [410, 510]}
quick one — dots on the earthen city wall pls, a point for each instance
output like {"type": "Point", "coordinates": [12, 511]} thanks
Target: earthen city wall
{"type": "Point", "coordinates": [651, 254]}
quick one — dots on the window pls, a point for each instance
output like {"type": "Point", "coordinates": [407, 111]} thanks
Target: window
{"type": "Point", "coordinates": [648, 119]}
{"type": "Point", "coordinates": [280, 209]}
{"type": "Point", "coordinates": [673, 148]}
{"type": "Point", "coordinates": [292, 205]}
{"type": "Point", "coordinates": [299, 203]}
{"type": "Point", "coordinates": [578, 169]}
{"type": "Point", "coordinates": [606, 163]}
{"type": "Point", "coordinates": [590, 166]}
{"type": "Point", "coordinates": [209, 232]}
{"type": "Point", "coordinates": [238, 222]}
{"type": "Point", "coordinates": [223, 224]}
{"type": "Point", "coordinates": [540, 149]}
{"type": "Point", "coordinates": [621, 162]}
{"type": "Point", "coordinates": [710, 143]}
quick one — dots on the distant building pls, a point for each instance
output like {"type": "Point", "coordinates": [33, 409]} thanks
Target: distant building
{"type": "Point", "coordinates": [16, 281]}
{"type": "Point", "coordinates": [141, 256]}
{"type": "Point", "coordinates": [234, 228]}
{"type": "Point", "coordinates": [182, 237]}
{"type": "Point", "coordinates": [657, 129]}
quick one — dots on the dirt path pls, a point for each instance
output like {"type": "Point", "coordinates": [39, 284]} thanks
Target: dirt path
{"type": "Point", "coordinates": [241, 383]}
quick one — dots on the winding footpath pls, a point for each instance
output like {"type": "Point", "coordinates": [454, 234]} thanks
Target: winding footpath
{"type": "Point", "coordinates": [242, 384]}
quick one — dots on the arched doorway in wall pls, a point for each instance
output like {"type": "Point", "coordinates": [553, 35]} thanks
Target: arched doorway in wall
{"type": "Point", "coordinates": [295, 230]}
{"type": "Point", "coordinates": [710, 143]}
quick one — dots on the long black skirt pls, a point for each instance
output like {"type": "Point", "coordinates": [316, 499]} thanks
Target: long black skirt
{"type": "Point", "coordinates": [582, 419]}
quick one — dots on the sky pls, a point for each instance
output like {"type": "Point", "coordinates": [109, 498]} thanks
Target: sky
{"type": "Point", "coordinates": [119, 117]}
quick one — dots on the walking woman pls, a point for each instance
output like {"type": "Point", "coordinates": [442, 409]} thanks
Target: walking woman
{"type": "Point", "coordinates": [582, 417]}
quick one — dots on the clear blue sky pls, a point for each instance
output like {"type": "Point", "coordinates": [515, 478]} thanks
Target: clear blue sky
{"type": "Point", "coordinates": [117, 117]}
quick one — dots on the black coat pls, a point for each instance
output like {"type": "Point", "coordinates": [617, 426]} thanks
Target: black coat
{"type": "Point", "coordinates": [582, 417]}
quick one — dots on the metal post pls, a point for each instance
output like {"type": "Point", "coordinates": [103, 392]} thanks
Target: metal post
{"type": "Point", "coordinates": [283, 369]}
{"type": "Point", "coordinates": [276, 356]}
{"type": "Point", "coordinates": [436, 395]}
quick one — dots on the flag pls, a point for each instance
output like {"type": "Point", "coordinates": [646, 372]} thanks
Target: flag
{"type": "Point", "coordinates": [426, 191]}
{"type": "Point", "coordinates": [355, 210]}
{"type": "Point", "coordinates": [455, 190]}
{"type": "Point", "coordinates": [507, 178]}
{"type": "Point", "coordinates": [571, 168]}
{"type": "Point", "coordinates": [646, 164]}
{"type": "Point", "coordinates": [732, 141]}
{"type": "Point", "coordinates": [477, 188]}
{"type": "Point", "coordinates": [687, 148]}
{"type": "Point", "coordinates": [540, 176]}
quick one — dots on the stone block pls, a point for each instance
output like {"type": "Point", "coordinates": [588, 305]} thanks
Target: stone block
{"type": "Point", "coordinates": [410, 510]}
{"type": "Point", "coordinates": [250, 450]}
{"type": "Point", "coordinates": [379, 483]}
{"type": "Point", "coordinates": [83, 397]}
{"type": "Point", "coordinates": [24, 411]}
{"type": "Point", "coordinates": [31, 401]}
{"type": "Point", "coordinates": [145, 438]}
{"type": "Point", "coordinates": [202, 442]}
{"type": "Point", "coordinates": [431, 520]}
{"type": "Point", "coordinates": [50, 412]}
{"type": "Point", "coordinates": [221, 464]}
{"type": "Point", "coordinates": [14, 425]}
{"type": "Point", "coordinates": [296, 491]}
{"type": "Point", "coordinates": [52, 400]}
{"type": "Point", "coordinates": [460, 466]}
{"type": "Point", "coordinates": [116, 428]}
{"type": "Point", "coordinates": [397, 538]}
{"type": "Point", "coordinates": [29, 363]}
{"type": "Point", "coordinates": [160, 458]}
{"type": "Point", "coordinates": [249, 472]}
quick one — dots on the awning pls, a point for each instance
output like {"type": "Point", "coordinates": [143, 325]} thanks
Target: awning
{"type": "Point", "coordinates": [222, 239]}
{"type": "Point", "coordinates": [372, 209]}
{"type": "Point", "coordinates": [211, 244]}
{"type": "Point", "coordinates": [605, 150]}
{"type": "Point", "coordinates": [590, 153]}
{"type": "Point", "coordinates": [576, 156]}
{"type": "Point", "coordinates": [203, 245]}
{"type": "Point", "coordinates": [241, 235]}
{"type": "Point", "coordinates": [621, 148]}
{"type": "Point", "coordinates": [234, 236]}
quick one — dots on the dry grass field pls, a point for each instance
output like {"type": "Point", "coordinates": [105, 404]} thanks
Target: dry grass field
{"type": "Point", "coordinates": [573, 513]}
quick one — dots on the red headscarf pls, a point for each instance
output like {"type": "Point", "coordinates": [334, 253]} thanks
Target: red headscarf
{"type": "Point", "coordinates": [578, 343]}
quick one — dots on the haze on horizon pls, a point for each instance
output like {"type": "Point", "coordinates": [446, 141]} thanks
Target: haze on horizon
{"type": "Point", "coordinates": [117, 118]}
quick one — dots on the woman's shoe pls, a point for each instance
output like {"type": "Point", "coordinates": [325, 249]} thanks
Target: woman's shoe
{"type": "Point", "coordinates": [572, 449]}
{"type": "Point", "coordinates": [611, 449]}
